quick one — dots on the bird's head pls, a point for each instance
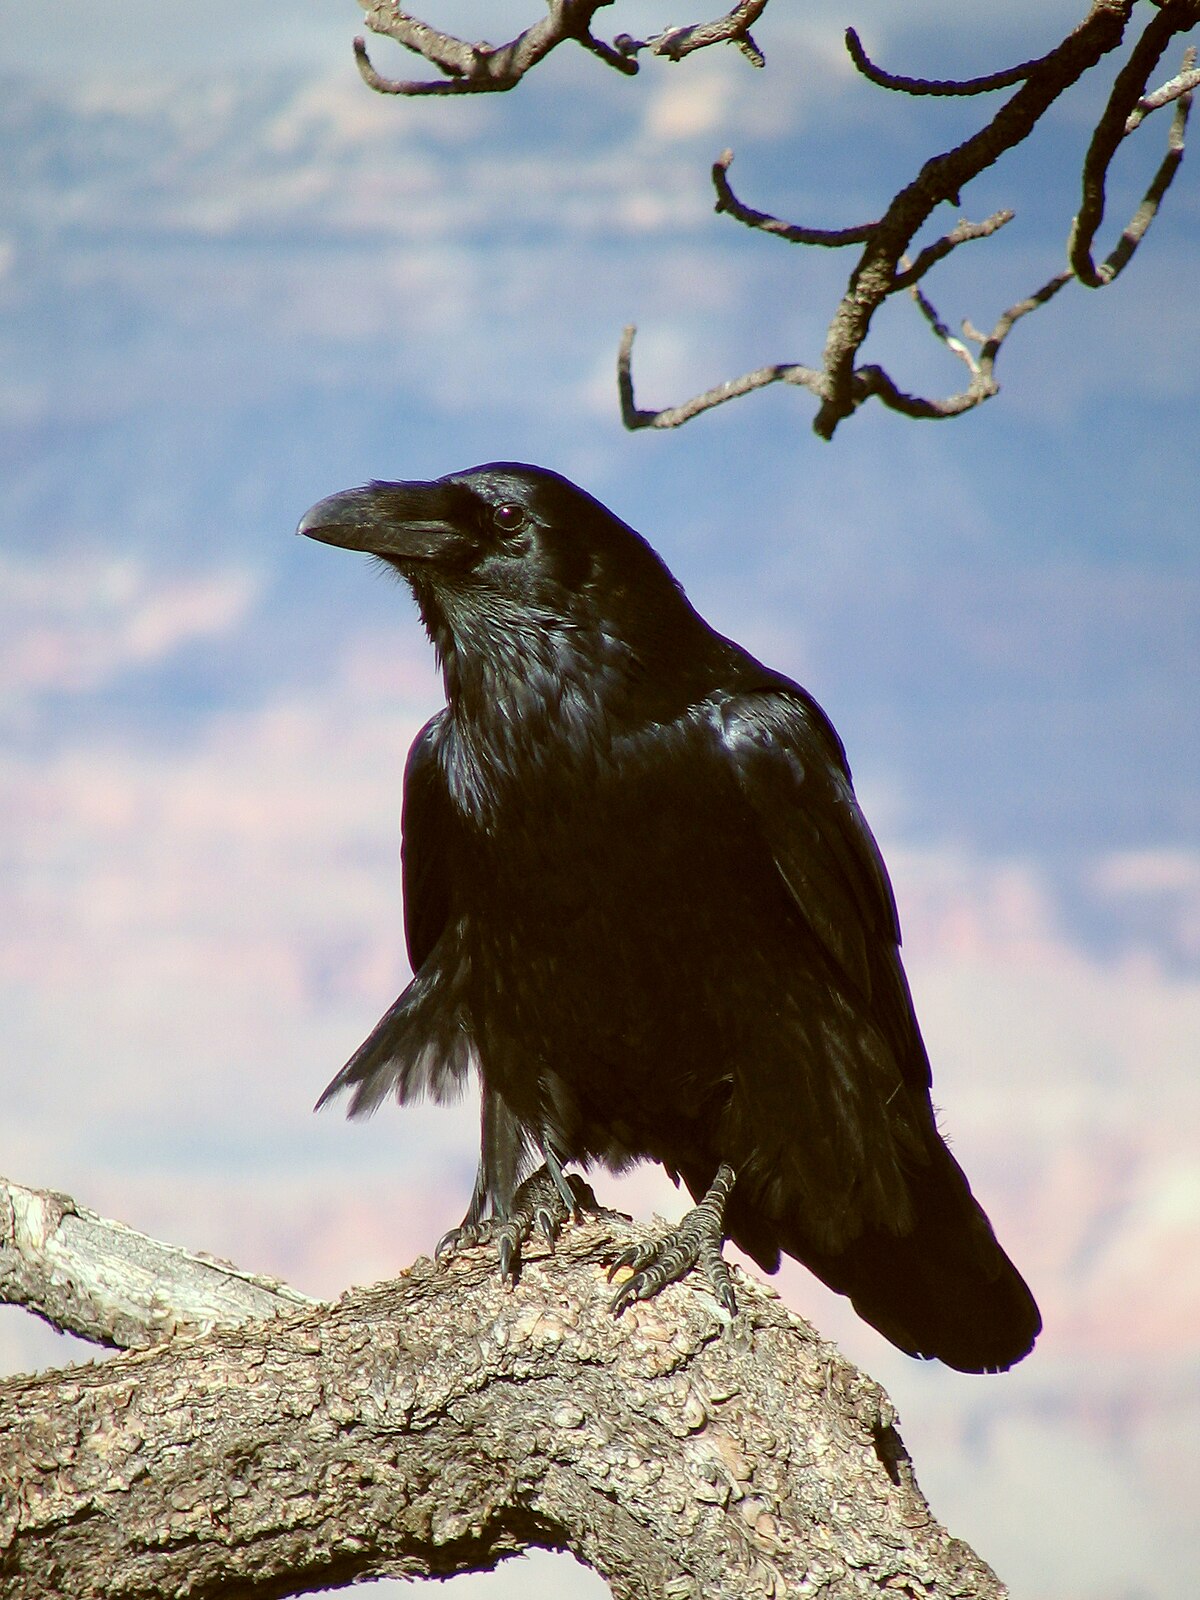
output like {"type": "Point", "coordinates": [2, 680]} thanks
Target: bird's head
{"type": "Point", "coordinates": [517, 572]}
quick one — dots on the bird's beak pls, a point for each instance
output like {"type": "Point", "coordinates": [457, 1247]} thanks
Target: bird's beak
{"type": "Point", "coordinates": [399, 521]}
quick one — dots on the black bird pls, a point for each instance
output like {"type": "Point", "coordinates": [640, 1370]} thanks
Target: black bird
{"type": "Point", "coordinates": [642, 904]}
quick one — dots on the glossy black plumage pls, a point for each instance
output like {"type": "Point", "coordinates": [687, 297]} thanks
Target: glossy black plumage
{"type": "Point", "coordinates": [642, 904]}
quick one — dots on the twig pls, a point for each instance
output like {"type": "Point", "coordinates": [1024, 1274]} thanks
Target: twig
{"type": "Point", "coordinates": [728, 202]}
{"type": "Point", "coordinates": [937, 86]}
{"type": "Point", "coordinates": [1183, 83]}
{"type": "Point", "coordinates": [673, 416]}
{"type": "Point", "coordinates": [733, 28]}
{"type": "Point", "coordinates": [933, 253]}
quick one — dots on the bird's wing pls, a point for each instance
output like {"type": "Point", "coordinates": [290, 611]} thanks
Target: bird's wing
{"type": "Point", "coordinates": [904, 1237]}
{"type": "Point", "coordinates": [420, 1045]}
{"type": "Point", "coordinates": [792, 770]}
{"type": "Point", "coordinates": [425, 845]}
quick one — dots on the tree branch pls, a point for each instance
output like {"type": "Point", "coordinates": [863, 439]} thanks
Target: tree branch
{"type": "Point", "coordinates": [1183, 83]}
{"type": "Point", "coordinates": [885, 267]}
{"type": "Point", "coordinates": [729, 203]}
{"type": "Point", "coordinates": [733, 28]}
{"type": "Point", "coordinates": [114, 1286]}
{"type": "Point", "coordinates": [936, 86]}
{"type": "Point", "coordinates": [910, 275]}
{"type": "Point", "coordinates": [888, 264]}
{"type": "Point", "coordinates": [439, 1423]}
{"type": "Point", "coordinates": [673, 416]}
{"type": "Point", "coordinates": [482, 68]}
{"type": "Point", "coordinates": [1174, 17]}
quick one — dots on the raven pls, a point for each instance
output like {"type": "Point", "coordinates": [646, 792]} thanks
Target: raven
{"type": "Point", "coordinates": [642, 904]}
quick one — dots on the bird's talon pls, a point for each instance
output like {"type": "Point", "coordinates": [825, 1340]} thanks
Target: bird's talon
{"type": "Point", "coordinates": [507, 1249]}
{"type": "Point", "coordinates": [625, 1259]}
{"type": "Point", "coordinates": [548, 1224]}
{"type": "Point", "coordinates": [458, 1239]}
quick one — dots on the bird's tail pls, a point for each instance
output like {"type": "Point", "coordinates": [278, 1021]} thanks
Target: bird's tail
{"type": "Point", "coordinates": [944, 1289]}
{"type": "Point", "coordinates": [418, 1047]}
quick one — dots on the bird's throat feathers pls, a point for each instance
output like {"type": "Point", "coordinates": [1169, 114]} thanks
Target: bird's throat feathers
{"type": "Point", "coordinates": [525, 686]}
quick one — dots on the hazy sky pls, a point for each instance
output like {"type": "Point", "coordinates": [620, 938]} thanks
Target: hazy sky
{"type": "Point", "coordinates": [232, 281]}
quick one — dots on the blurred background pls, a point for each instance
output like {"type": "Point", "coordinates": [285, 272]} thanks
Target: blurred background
{"type": "Point", "coordinates": [233, 281]}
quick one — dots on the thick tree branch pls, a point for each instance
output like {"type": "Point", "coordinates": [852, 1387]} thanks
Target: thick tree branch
{"type": "Point", "coordinates": [108, 1283]}
{"type": "Point", "coordinates": [442, 1422]}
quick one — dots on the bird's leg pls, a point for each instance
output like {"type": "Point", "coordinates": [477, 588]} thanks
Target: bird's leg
{"type": "Point", "coordinates": [561, 1183]}
{"type": "Point", "coordinates": [696, 1241]}
{"type": "Point", "coordinates": [548, 1198]}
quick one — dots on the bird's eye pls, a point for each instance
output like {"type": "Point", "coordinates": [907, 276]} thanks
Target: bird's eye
{"type": "Point", "coordinates": [509, 517]}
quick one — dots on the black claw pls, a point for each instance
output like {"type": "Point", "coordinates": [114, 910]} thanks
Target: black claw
{"type": "Point", "coordinates": [508, 1249]}
{"type": "Point", "coordinates": [549, 1225]}
{"type": "Point", "coordinates": [632, 1289]}
{"type": "Point", "coordinates": [695, 1242]}
{"type": "Point", "coordinates": [627, 1258]}
{"type": "Point", "coordinates": [457, 1239]}
{"type": "Point", "coordinates": [538, 1204]}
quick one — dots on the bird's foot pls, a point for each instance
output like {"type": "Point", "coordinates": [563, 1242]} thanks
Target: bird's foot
{"type": "Point", "coordinates": [696, 1241]}
{"type": "Point", "coordinates": [540, 1204]}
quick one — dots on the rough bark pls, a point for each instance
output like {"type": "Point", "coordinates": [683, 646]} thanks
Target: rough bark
{"type": "Point", "coordinates": [106, 1282]}
{"type": "Point", "coordinates": [439, 1423]}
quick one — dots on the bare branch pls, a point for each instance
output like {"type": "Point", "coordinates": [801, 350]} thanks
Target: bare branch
{"type": "Point", "coordinates": [886, 265]}
{"type": "Point", "coordinates": [942, 178]}
{"type": "Point", "coordinates": [733, 28]}
{"type": "Point", "coordinates": [478, 68]}
{"type": "Point", "coordinates": [1174, 17]}
{"type": "Point", "coordinates": [872, 382]}
{"type": "Point", "coordinates": [936, 86]}
{"type": "Point", "coordinates": [982, 368]}
{"type": "Point", "coordinates": [991, 342]}
{"type": "Point", "coordinates": [955, 346]}
{"type": "Point", "coordinates": [933, 253]}
{"type": "Point", "coordinates": [442, 1422]}
{"type": "Point", "coordinates": [1133, 235]}
{"type": "Point", "coordinates": [673, 416]}
{"type": "Point", "coordinates": [729, 203]}
{"type": "Point", "coordinates": [114, 1286]}
{"type": "Point", "coordinates": [1183, 83]}
{"type": "Point", "coordinates": [481, 68]}
{"type": "Point", "coordinates": [841, 385]}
